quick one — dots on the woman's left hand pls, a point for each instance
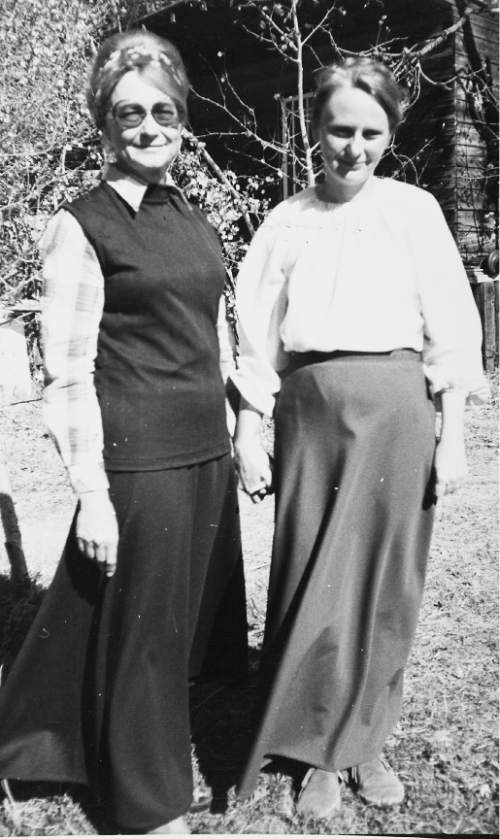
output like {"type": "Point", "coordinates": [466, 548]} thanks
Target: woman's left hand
{"type": "Point", "coordinates": [450, 462]}
{"type": "Point", "coordinates": [450, 465]}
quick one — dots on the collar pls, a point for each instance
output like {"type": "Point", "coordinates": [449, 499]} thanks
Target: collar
{"type": "Point", "coordinates": [130, 188]}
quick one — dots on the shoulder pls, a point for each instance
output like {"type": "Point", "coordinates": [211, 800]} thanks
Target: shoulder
{"type": "Point", "coordinates": [301, 208]}
{"type": "Point", "coordinates": [197, 212]}
{"type": "Point", "coordinates": [95, 208]}
{"type": "Point", "coordinates": [62, 228]}
{"type": "Point", "coordinates": [201, 217]}
{"type": "Point", "coordinates": [97, 195]}
{"type": "Point", "coordinates": [404, 194]}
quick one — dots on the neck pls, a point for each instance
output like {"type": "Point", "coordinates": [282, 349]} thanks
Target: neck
{"type": "Point", "coordinates": [155, 176]}
{"type": "Point", "coordinates": [340, 193]}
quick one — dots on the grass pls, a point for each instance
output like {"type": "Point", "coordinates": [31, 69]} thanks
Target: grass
{"type": "Point", "coordinates": [445, 746]}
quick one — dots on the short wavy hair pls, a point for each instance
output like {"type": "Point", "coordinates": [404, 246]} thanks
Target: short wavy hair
{"type": "Point", "coordinates": [367, 75]}
{"type": "Point", "coordinates": [156, 58]}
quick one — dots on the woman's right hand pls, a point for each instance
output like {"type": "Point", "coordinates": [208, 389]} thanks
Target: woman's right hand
{"type": "Point", "coordinates": [97, 529]}
{"type": "Point", "coordinates": [254, 468]}
{"type": "Point", "coordinates": [252, 461]}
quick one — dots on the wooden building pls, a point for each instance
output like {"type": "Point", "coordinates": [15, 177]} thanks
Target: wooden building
{"type": "Point", "coordinates": [450, 135]}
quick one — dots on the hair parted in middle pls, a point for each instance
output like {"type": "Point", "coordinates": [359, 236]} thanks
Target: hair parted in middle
{"type": "Point", "coordinates": [154, 57]}
{"type": "Point", "coordinates": [366, 74]}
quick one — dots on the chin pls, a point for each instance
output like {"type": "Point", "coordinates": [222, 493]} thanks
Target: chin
{"type": "Point", "coordinates": [152, 159]}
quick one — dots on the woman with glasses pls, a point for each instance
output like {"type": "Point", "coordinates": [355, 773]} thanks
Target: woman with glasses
{"type": "Point", "coordinates": [354, 308]}
{"type": "Point", "coordinates": [135, 400]}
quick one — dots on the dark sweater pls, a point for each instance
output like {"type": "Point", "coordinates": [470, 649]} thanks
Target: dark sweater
{"type": "Point", "coordinates": [157, 371]}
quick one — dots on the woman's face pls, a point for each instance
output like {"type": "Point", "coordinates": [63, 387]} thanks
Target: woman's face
{"type": "Point", "coordinates": [144, 145]}
{"type": "Point", "coordinates": [353, 134]}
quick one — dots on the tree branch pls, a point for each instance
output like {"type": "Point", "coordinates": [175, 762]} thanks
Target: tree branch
{"type": "Point", "coordinates": [222, 177]}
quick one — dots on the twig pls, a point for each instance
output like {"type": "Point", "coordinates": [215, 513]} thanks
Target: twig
{"type": "Point", "coordinates": [221, 176]}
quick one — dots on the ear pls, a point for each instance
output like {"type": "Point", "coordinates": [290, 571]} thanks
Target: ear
{"type": "Point", "coordinates": [107, 147]}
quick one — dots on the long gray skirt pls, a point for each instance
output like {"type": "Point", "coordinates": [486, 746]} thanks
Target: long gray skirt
{"type": "Point", "coordinates": [354, 510]}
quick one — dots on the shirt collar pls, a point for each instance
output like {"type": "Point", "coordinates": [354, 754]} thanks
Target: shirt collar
{"type": "Point", "coordinates": [131, 189]}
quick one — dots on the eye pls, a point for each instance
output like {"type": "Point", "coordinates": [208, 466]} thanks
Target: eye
{"type": "Point", "coordinates": [129, 115]}
{"type": "Point", "coordinates": [165, 114]}
{"type": "Point", "coordinates": [372, 134]}
{"type": "Point", "coordinates": [339, 131]}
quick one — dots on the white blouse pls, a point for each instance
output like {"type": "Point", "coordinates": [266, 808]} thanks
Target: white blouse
{"type": "Point", "coordinates": [377, 273]}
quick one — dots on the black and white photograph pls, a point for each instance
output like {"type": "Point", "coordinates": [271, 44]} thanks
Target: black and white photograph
{"type": "Point", "coordinates": [249, 348]}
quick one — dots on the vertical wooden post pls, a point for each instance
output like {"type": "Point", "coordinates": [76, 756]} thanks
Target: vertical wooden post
{"type": "Point", "coordinates": [486, 297]}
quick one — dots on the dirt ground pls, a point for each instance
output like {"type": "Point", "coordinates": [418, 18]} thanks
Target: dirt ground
{"type": "Point", "coordinates": [445, 745]}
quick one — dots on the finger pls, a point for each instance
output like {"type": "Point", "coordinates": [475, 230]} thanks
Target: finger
{"type": "Point", "coordinates": [87, 548]}
{"type": "Point", "coordinates": [112, 557]}
{"type": "Point", "coordinates": [268, 473]}
{"type": "Point", "coordinates": [101, 553]}
{"type": "Point", "coordinates": [254, 485]}
{"type": "Point", "coordinates": [256, 498]}
{"type": "Point", "coordinates": [258, 495]}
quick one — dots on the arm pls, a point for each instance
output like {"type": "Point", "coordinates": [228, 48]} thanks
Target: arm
{"type": "Point", "coordinates": [261, 304]}
{"type": "Point", "coordinates": [73, 302]}
{"type": "Point", "coordinates": [252, 460]}
{"type": "Point", "coordinates": [226, 357]}
{"type": "Point", "coordinates": [450, 461]}
{"type": "Point", "coordinates": [226, 342]}
{"type": "Point", "coordinates": [261, 301]}
{"type": "Point", "coordinates": [452, 328]}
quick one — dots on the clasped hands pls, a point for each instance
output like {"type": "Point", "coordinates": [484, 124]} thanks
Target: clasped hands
{"type": "Point", "coordinates": [252, 461]}
{"type": "Point", "coordinates": [254, 468]}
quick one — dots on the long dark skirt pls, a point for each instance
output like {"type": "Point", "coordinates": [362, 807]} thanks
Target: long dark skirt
{"type": "Point", "coordinates": [99, 692]}
{"type": "Point", "coordinates": [354, 512]}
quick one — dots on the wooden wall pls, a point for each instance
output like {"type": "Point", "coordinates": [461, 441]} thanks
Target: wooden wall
{"type": "Point", "coordinates": [476, 47]}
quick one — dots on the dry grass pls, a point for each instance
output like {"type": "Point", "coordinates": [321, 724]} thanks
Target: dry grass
{"type": "Point", "coordinates": [445, 747]}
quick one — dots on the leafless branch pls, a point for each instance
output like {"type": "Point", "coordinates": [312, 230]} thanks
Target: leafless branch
{"type": "Point", "coordinates": [245, 129]}
{"type": "Point", "coordinates": [319, 26]}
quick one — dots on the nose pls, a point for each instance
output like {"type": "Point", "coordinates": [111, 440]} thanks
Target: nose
{"type": "Point", "coordinates": [355, 146]}
{"type": "Point", "coordinates": [149, 126]}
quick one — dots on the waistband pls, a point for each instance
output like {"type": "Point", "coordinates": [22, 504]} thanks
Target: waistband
{"type": "Point", "coordinates": [302, 359]}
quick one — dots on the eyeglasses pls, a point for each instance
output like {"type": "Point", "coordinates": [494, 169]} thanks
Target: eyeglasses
{"type": "Point", "coordinates": [132, 114]}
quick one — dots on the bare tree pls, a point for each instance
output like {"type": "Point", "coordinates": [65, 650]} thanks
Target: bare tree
{"type": "Point", "coordinates": [301, 33]}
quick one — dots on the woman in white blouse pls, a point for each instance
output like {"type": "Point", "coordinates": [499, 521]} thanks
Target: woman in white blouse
{"type": "Point", "coordinates": [355, 311]}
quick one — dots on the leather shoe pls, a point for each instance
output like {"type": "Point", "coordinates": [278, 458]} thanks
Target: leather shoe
{"type": "Point", "coordinates": [319, 795]}
{"type": "Point", "coordinates": [376, 783]}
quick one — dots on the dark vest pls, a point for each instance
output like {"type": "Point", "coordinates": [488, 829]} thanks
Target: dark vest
{"type": "Point", "coordinates": [157, 371]}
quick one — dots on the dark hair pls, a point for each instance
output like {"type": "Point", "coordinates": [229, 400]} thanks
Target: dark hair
{"type": "Point", "coordinates": [366, 74]}
{"type": "Point", "coordinates": [153, 56]}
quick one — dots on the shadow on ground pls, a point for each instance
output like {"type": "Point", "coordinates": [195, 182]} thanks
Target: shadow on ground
{"type": "Point", "coordinates": [19, 603]}
{"type": "Point", "coordinates": [222, 720]}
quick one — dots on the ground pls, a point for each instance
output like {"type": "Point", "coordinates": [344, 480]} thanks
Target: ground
{"type": "Point", "coordinates": [444, 748]}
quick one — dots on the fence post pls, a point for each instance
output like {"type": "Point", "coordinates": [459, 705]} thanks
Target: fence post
{"type": "Point", "coordinates": [486, 297]}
